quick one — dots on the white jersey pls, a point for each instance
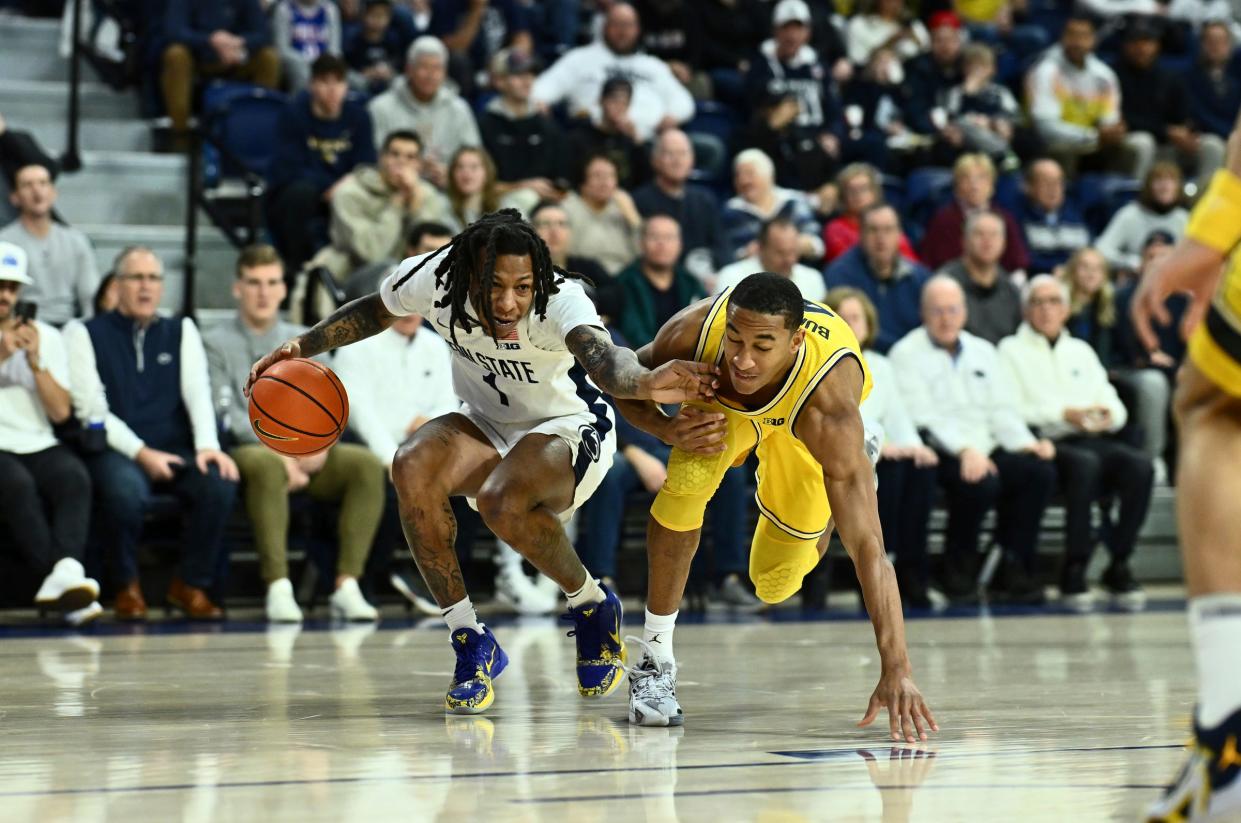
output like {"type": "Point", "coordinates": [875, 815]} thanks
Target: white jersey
{"type": "Point", "coordinates": [526, 378]}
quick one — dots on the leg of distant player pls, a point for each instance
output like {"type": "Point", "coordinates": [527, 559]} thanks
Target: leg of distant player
{"type": "Point", "coordinates": [1208, 487]}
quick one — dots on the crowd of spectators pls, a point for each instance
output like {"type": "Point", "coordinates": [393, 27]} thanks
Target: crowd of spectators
{"type": "Point", "coordinates": [977, 187]}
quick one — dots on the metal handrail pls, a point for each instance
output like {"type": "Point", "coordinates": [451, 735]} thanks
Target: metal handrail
{"type": "Point", "coordinates": [71, 160]}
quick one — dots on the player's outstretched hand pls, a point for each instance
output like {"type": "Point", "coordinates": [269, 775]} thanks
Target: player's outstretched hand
{"type": "Point", "coordinates": [908, 714]}
{"type": "Point", "coordinates": [288, 351]}
{"type": "Point", "coordinates": [697, 431]}
{"type": "Point", "coordinates": [680, 380]}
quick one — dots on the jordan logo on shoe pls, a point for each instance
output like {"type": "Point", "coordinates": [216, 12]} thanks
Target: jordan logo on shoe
{"type": "Point", "coordinates": [655, 639]}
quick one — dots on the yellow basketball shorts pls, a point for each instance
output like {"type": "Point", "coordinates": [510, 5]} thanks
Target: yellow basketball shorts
{"type": "Point", "coordinates": [1215, 346]}
{"type": "Point", "coordinates": [791, 498]}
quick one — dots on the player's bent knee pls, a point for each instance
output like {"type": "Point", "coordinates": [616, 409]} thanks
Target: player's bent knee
{"type": "Point", "coordinates": [502, 506]}
{"type": "Point", "coordinates": [779, 562]}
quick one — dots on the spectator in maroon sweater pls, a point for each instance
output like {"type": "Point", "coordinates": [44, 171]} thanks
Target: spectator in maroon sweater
{"type": "Point", "coordinates": [860, 188]}
{"type": "Point", "coordinates": [972, 189]}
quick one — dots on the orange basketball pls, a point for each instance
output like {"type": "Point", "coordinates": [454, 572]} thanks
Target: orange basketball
{"type": "Point", "coordinates": [298, 407]}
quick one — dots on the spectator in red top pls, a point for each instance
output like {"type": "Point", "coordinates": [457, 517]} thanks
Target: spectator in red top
{"type": "Point", "coordinates": [861, 187]}
{"type": "Point", "coordinates": [972, 189]}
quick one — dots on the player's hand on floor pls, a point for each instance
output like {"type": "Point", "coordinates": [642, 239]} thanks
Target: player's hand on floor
{"type": "Point", "coordinates": [908, 714]}
{"type": "Point", "coordinates": [697, 431]}
{"type": "Point", "coordinates": [288, 351]}
{"type": "Point", "coordinates": [680, 380]}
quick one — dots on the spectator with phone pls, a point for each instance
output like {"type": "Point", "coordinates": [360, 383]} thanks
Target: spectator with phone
{"type": "Point", "coordinates": [44, 488]}
{"type": "Point", "coordinates": [145, 375]}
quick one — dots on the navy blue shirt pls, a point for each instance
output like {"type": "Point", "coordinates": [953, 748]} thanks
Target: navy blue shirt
{"type": "Point", "coordinates": [141, 373]}
{"type": "Point", "coordinates": [192, 22]}
{"type": "Point", "coordinates": [1051, 238]}
{"type": "Point", "coordinates": [320, 151]}
{"type": "Point", "coordinates": [1213, 104]}
{"type": "Point", "coordinates": [898, 299]}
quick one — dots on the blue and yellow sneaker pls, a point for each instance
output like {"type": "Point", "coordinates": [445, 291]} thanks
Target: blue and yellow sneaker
{"type": "Point", "coordinates": [600, 651]}
{"type": "Point", "coordinates": [479, 661]}
{"type": "Point", "coordinates": [1208, 787]}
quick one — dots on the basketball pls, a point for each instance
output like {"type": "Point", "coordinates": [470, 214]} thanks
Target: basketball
{"type": "Point", "coordinates": [298, 407]}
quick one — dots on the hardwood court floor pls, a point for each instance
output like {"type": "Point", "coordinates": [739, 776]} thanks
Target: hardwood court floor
{"type": "Point", "coordinates": [1058, 718]}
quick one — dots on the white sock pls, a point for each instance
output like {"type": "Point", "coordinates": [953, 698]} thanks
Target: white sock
{"type": "Point", "coordinates": [1215, 629]}
{"type": "Point", "coordinates": [590, 592]}
{"type": "Point", "coordinates": [461, 615]}
{"type": "Point", "coordinates": [658, 633]}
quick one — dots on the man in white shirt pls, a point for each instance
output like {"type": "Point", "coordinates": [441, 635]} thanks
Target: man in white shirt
{"type": "Point", "coordinates": [397, 381]}
{"type": "Point", "coordinates": [659, 100]}
{"type": "Point", "coordinates": [145, 376]}
{"type": "Point", "coordinates": [778, 249]}
{"type": "Point", "coordinates": [1063, 392]}
{"type": "Point", "coordinates": [61, 263]}
{"type": "Point", "coordinates": [44, 488]}
{"type": "Point", "coordinates": [958, 393]}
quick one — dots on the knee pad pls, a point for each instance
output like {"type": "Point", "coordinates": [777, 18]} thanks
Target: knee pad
{"type": "Point", "coordinates": [690, 485]}
{"type": "Point", "coordinates": [779, 562]}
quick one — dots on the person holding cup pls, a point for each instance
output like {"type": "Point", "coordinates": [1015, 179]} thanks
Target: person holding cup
{"type": "Point", "coordinates": [1064, 393]}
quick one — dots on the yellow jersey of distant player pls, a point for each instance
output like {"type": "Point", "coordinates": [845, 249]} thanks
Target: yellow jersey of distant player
{"type": "Point", "coordinates": [1215, 346]}
{"type": "Point", "coordinates": [791, 495]}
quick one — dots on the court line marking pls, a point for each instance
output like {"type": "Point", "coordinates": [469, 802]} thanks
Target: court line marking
{"type": "Point", "coordinates": [868, 787]}
{"type": "Point", "coordinates": [793, 761]}
{"type": "Point", "coordinates": [830, 754]}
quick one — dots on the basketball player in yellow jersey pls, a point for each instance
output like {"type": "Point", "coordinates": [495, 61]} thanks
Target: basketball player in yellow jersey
{"type": "Point", "coordinates": [1208, 488]}
{"type": "Point", "coordinates": [792, 377]}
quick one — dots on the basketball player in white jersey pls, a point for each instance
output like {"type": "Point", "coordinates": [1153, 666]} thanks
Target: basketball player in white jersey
{"type": "Point", "coordinates": [533, 440]}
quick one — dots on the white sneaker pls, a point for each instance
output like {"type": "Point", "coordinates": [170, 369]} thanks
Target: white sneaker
{"type": "Point", "coordinates": [348, 603]}
{"type": "Point", "coordinates": [281, 605]}
{"type": "Point", "coordinates": [80, 617]}
{"type": "Point", "coordinates": [653, 690]}
{"type": "Point", "coordinates": [518, 592]}
{"type": "Point", "coordinates": [67, 588]}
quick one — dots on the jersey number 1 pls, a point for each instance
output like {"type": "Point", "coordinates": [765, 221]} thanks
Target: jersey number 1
{"type": "Point", "coordinates": [490, 380]}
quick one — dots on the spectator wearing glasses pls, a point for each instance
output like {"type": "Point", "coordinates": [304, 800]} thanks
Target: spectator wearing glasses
{"type": "Point", "coordinates": [1063, 392]}
{"type": "Point", "coordinates": [146, 376]}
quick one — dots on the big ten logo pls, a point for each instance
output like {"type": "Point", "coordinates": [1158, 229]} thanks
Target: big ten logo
{"type": "Point", "coordinates": [814, 328]}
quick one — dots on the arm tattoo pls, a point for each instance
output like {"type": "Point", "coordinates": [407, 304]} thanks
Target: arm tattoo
{"type": "Point", "coordinates": [350, 323]}
{"type": "Point", "coordinates": [615, 369]}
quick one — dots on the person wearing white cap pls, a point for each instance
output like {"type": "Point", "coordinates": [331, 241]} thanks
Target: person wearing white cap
{"type": "Point", "coordinates": [62, 267]}
{"type": "Point", "coordinates": [788, 65]}
{"type": "Point", "coordinates": [45, 492]}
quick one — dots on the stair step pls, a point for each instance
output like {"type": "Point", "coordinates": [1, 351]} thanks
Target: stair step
{"type": "Point", "coordinates": [30, 100]}
{"type": "Point", "coordinates": [126, 187]}
{"type": "Point", "coordinates": [93, 134]}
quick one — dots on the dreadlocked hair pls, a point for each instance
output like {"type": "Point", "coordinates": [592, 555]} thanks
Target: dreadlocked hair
{"type": "Point", "coordinates": [471, 264]}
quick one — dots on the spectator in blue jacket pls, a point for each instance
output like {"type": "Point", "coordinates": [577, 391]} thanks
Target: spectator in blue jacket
{"type": "Point", "coordinates": [214, 39]}
{"type": "Point", "coordinates": [1213, 84]}
{"type": "Point", "coordinates": [876, 267]}
{"type": "Point", "coordinates": [1053, 226]}
{"type": "Point", "coordinates": [146, 377]}
{"type": "Point", "coordinates": [320, 138]}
